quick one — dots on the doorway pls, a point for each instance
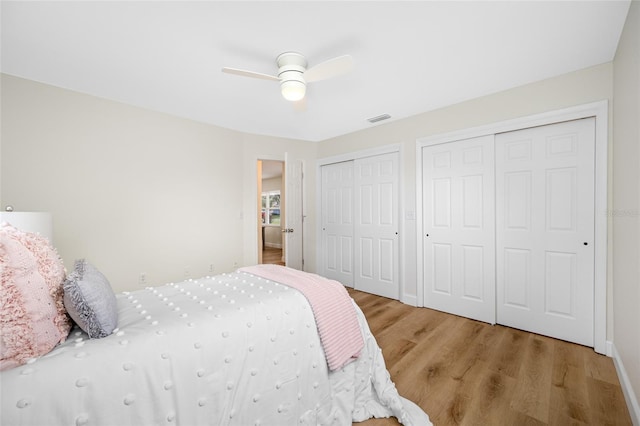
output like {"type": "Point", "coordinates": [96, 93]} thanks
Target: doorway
{"type": "Point", "coordinates": [271, 212]}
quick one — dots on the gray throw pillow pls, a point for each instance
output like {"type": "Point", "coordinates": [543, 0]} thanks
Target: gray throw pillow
{"type": "Point", "coordinates": [90, 301]}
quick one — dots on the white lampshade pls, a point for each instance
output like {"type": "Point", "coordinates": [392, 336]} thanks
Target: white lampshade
{"type": "Point", "coordinates": [38, 222]}
{"type": "Point", "coordinates": [293, 90]}
{"type": "Point", "coordinates": [292, 84]}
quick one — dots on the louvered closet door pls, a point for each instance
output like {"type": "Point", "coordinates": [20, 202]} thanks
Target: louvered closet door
{"type": "Point", "coordinates": [337, 222]}
{"type": "Point", "coordinates": [458, 224]}
{"type": "Point", "coordinates": [376, 229]}
{"type": "Point", "coordinates": [545, 229]}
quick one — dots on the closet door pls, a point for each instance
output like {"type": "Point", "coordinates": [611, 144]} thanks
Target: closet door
{"type": "Point", "coordinates": [545, 229]}
{"type": "Point", "coordinates": [458, 225]}
{"type": "Point", "coordinates": [337, 222]}
{"type": "Point", "coordinates": [376, 186]}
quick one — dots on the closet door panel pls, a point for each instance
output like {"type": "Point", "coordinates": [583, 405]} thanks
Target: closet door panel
{"type": "Point", "coordinates": [517, 190]}
{"type": "Point", "coordinates": [545, 229]}
{"type": "Point", "coordinates": [472, 271]}
{"type": "Point", "coordinates": [376, 229]}
{"type": "Point", "coordinates": [459, 231]}
{"type": "Point", "coordinates": [337, 222]}
{"type": "Point", "coordinates": [441, 271]}
{"type": "Point", "coordinates": [441, 203]}
{"type": "Point", "coordinates": [365, 258]}
{"type": "Point", "coordinates": [517, 272]}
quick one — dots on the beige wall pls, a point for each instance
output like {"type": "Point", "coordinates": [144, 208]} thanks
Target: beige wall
{"type": "Point", "coordinates": [131, 190]}
{"type": "Point", "coordinates": [272, 184]}
{"type": "Point", "coordinates": [626, 201]}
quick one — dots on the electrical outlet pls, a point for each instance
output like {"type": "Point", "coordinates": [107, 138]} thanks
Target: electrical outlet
{"type": "Point", "coordinates": [235, 265]}
{"type": "Point", "coordinates": [143, 278]}
{"type": "Point", "coordinates": [212, 269]}
{"type": "Point", "coordinates": [187, 274]}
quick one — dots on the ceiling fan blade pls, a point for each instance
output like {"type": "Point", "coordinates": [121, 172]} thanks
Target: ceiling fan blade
{"type": "Point", "coordinates": [330, 68]}
{"type": "Point", "coordinates": [251, 74]}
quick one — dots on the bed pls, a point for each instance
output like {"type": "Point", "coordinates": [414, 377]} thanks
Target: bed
{"type": "Point", "coordinates": [240, 348]}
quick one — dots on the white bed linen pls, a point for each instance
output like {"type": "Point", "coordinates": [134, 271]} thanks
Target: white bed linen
{"type": "Point", "coordinates": [234, 349]}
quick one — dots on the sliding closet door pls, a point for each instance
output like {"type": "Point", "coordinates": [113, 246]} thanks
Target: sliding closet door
{"type": "Point", "coordinates": [337, 222]}
{"type": "Point", "coordinates": [376, 183]}
{"type": "Point", "coordinates": [545, 229]}
{"type": "Point", "coordinates": [458, 225]}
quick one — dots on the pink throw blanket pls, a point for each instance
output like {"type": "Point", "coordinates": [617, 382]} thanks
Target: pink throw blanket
{"type": "Point", "coordinates": [332, 307]}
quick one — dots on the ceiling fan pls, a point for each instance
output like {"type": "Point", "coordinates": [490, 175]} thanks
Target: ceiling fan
{"type": "Point", "coordinates": [293, 74]}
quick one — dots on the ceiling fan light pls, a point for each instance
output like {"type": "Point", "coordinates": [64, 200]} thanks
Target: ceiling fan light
{"type": "Point", "coordinates": [293, 90]}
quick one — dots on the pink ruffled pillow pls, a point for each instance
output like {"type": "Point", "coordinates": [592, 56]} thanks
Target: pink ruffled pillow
{"type": "Point", "coordinates": [33, 319]}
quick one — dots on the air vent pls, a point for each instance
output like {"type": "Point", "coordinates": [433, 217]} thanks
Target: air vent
{"type": "Point", "coordinates": [378, 118]}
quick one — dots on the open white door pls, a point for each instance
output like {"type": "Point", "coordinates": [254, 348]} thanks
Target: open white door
{"type": "Point", "coordinates": [293, 221]}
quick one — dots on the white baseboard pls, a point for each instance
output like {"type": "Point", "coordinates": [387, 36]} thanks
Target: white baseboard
{"type": "Point", "coordinates": [609, 349]}
{"type": "Point", "coordinates": [273, 245]}
{"type": "Point", "coordinates": [627, 390]}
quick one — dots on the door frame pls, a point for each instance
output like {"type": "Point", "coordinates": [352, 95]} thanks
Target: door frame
{"type": "Point", "coordinates": [352, 156]}
{"type": "Point", "coordinates": [256, 208]}
{"type": "Point", "coordinates": [600, 111]}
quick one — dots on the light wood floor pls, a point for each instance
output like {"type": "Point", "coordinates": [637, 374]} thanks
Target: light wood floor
{"type": "Point", "coordinates": [464, 372]}
{"type": "Point", "coordinates": [272, 255]}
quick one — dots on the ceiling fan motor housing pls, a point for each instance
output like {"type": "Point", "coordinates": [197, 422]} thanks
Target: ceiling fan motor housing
{"type": "Point", "coordinates": [291, 67]}
{"type": "Point", "coordinates": [293, 74]}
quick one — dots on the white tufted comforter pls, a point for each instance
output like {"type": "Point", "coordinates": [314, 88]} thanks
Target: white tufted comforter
{"type": "Point", "coordinates": [234, 349]}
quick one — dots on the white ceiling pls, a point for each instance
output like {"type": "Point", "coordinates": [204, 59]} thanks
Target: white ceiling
{"type": "Point", "coordinates": [410, 57]}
